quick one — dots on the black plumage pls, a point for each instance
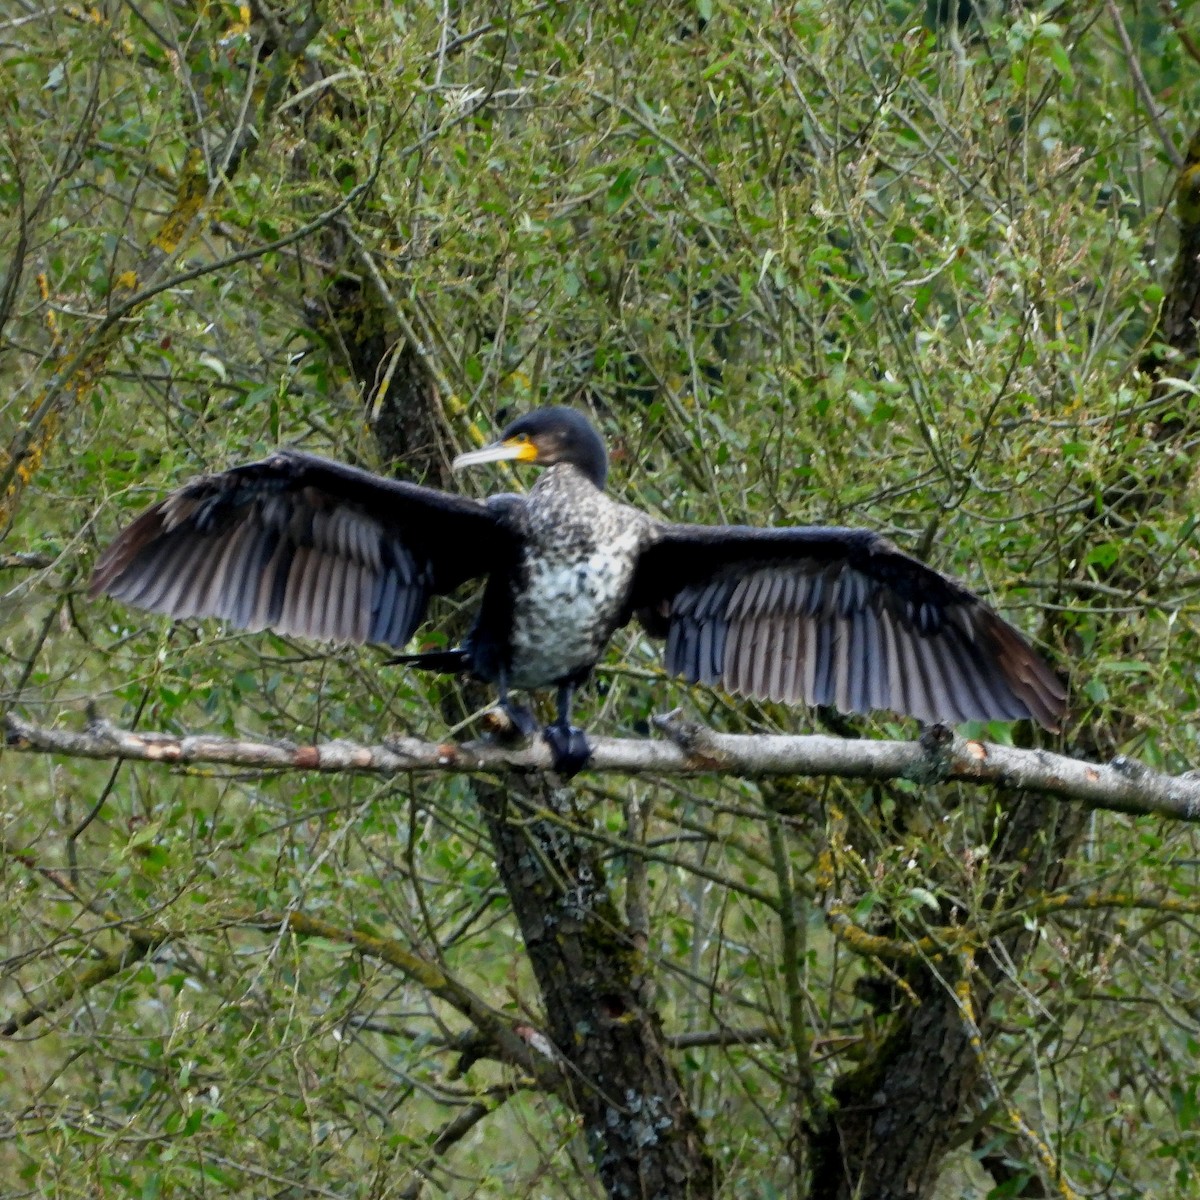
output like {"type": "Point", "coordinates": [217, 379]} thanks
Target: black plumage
{"type": "Point", "coordinates": [832, 616]}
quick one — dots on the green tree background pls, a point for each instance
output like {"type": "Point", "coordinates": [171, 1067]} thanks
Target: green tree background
{"type": "Point", "coordinates": [803, 263]}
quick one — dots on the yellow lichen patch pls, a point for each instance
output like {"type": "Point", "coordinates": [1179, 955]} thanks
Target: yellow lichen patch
{"type": "Point", "coordinates": [242, 24]}
{"type": "Point", "coordinates": [873, 945]}
{"type": "Point", "coordinates": [43, 285]}
{"type": "Point", "coordinates": [33, 456]}
{"type": "Point", "coordinates": [190, 198]}
{"type": "Point", "coordinates": [87, 16]}
{"type": "Point", "coordinates": [823, 876]}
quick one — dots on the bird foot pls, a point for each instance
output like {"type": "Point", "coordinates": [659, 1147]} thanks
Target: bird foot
{"type": "Point", "coordinates": [937, 744]}
{"type": "Point", "coordinates": [510, 722]}
{"type": "Point", "coordinates": [569, 749]}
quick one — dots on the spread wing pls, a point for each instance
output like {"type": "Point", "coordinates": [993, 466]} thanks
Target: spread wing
{"type": "Point", "coordinates": [302, 545]}
{"type": "Point", "coordinates": [835, 616]}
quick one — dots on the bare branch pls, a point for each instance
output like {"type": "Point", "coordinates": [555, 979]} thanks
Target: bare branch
{"type": "Point", "coordinates": [435, 979]}
{"type": "Point", "coordinates": [1185, 39]}
{"type": "Point", "coordinates": [1120, 786]}
{"type": "Point", "coordinates": [493, 1029]}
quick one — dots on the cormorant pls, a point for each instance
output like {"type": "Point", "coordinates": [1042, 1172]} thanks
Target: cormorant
{"type": "Point", "coordinates": [307, 546]}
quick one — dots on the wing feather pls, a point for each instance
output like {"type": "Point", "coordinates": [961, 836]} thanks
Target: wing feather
{"type": "Point", "coordinates": [842, 668]}
{"type": "Point", "coordinates": [350, 601]}
{"type": "Point", "coordinates": [871, 694]}
{"type": "Point", "coordinates": [305, 546]}
{"type": "Point", "coordinates": [794, 657]}
{"type": "Point", "coordinates": [298, 589]}
{"type": "Point", "coordinates": [987, 691]}
{"type": "Point", "coordinates": [186, 580]}
{"type": "Point", "coordinates": [147, 588]}
{"type": "Point", "coordinates": [912, 678]}
{"type": "Point", "coordinates": [891, 689]}
{"type": "Point", "coordinates": [853, 688]}
{"type": "Point", "coordinates": [704, 652]}
{"type": "Point", "coordinates": [225, 587]}
{"type": "Point", "coordinates": [824, 627]}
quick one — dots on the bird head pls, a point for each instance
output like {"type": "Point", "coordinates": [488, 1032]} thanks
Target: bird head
{"type": "Point", "coordinates": [545, 437]}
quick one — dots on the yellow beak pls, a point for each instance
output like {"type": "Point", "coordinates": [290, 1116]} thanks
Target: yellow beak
{"type": "Point", "coordinates": [518, 449]}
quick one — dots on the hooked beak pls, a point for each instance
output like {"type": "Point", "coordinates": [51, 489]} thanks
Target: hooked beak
{"type": "Point", "coordinates": [518, 449]}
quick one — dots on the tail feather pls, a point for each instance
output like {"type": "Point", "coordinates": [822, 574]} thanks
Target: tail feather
{"type": "Point", "coordinates": [448, 662]}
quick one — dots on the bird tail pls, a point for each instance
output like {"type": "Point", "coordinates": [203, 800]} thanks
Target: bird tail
{"type": "Point", "coordinates": [448, 662]}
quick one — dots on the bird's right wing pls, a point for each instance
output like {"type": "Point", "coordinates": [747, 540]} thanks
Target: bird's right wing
{"type": "Point", "coordinates": [302, 545]}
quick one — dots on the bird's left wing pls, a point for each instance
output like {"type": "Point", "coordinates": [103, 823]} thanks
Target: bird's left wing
{"type": "Point", "coordinates": [835, 616]}
{"type": "Point", "coordinates": [302, 545]}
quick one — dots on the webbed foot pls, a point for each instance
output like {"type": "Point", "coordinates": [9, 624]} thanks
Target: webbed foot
{"type": "Point", "coordinates": [569, 749]}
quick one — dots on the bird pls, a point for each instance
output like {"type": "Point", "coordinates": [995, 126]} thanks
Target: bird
{"type": "Point", "coordinates": [821, 615]}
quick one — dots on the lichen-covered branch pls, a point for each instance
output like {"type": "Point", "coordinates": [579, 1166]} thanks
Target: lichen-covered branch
{"type": "Point", "coordinates": [70, 985]}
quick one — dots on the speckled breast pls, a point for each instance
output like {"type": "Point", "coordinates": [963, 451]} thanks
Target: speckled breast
{"type": "Point", "coordinates": [578, 564]}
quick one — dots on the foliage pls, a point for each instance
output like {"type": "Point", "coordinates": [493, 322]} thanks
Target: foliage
{"type": "Point", "coordinates": [812, 262]}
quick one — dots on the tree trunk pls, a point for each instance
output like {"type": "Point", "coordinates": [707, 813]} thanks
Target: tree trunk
{"type": "Point", "coordinates": [898, 1115]}
{"type": "Point", "coordinates": [641, 1132]}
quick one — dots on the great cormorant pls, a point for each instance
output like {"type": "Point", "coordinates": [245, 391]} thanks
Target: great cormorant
{"type": "Point", "coordinates": [306, 546]}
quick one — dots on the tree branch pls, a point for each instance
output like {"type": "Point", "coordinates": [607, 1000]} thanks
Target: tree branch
{"type": "Point", "coordinates": [69, 985]}
{"type": "Point", "coordinates": [1121, 785]}
{"type": "Point", "coordinates": [492, 1025]}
